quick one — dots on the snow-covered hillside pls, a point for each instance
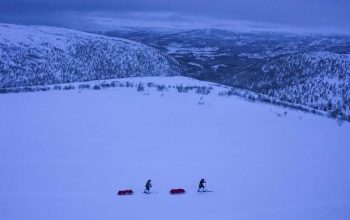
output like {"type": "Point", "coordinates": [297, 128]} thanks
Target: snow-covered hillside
{"type": "Point", "coordinates": [35, 55]}
{"type": "Point", "coordinates": [320, 80]}
{"type": "Point", "coordinates": [64, 155]}
{"type": "Point", "coordinates": [306, 69]}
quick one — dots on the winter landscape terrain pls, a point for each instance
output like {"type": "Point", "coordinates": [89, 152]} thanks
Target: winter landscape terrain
{"type": "Point", "coordinates": [84, 115]}
{"type": "Point", "coordinates": [38, 55]}
{"type": "Point", "coordinates": [308, 69]}
{"type": "Point", "coordinates": [301, 69]}
{"type": "Point", "coordinates": [64, 154]}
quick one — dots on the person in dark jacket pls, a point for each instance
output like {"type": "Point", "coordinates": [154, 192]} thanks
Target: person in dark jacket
{"type": "Point", "coordinates": [202, 185]}
{"type": "Point", "coordinates": [148, 186]}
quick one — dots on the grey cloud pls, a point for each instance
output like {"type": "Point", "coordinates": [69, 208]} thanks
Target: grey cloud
{"type": "Point", "coordinates": [307, 13]}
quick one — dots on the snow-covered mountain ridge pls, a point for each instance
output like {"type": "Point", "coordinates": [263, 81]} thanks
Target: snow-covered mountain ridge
{"type": "Point", "coordinates": [319, 79]}
{"type": "Point", "coordinates": [307, 69]}
{"type": "Point", "coordinates": [312, 71]}
{"type": "Point", "coordinates": [36, 55]}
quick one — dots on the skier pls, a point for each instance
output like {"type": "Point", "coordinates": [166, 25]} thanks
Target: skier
{"type": "Point", "coordinates": [202, 185]}
{"type": "Point", "coordinates": [148, 186]}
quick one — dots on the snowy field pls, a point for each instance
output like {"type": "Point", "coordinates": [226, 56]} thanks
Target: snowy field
{"type": "Point", "coordinates": [64, 155]}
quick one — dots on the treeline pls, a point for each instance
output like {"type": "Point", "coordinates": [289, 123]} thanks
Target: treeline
{"type": "Point", "coordinates": [201, 90]}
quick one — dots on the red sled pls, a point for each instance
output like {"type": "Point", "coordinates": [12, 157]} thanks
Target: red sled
{"type": "Point", "coordinates": [177, 191]}
{"type": "Point", "coordinates": [125, 192]}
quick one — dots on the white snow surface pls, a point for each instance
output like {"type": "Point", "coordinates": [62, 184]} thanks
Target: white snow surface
{"type": "Point", "coordinates": [64, 155]}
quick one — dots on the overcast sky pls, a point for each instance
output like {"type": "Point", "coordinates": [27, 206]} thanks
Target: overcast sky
{"type": "Point", "coordinates": [296, 13]}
